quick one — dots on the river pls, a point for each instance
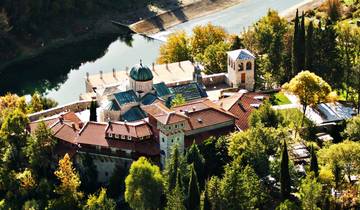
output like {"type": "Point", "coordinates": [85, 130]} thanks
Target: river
{"type": "Point", "coordinates": [60, 73]}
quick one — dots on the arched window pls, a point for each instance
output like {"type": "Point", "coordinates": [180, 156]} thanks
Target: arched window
{"type": "Point", "coordinates": [248, 65]}
{"type": "Point", "coordinates": [241, 67]}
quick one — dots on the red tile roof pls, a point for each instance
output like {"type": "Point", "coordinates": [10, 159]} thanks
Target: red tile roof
{"type": "Point", "coordinates": [134, 129]}
{"type": "Point", "coordinates": [163, 114]}
{"type": "Point", "coordinates": [240, 105]}
{"type": "Point", "coordinates": [94, 133]}
{"type": "Point", "coordinates": [65, 132]}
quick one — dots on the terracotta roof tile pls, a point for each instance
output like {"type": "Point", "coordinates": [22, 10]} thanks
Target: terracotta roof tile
{"type": "Point", "coordinates": [242, 109]}
{"type": "Point", "coordinates": [134, 129]}
{"type": "Point", "coordinates": [163, 114]}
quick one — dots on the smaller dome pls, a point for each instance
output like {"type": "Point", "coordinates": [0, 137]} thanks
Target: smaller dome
{"type": "Point", "coordinates": [141, 72]}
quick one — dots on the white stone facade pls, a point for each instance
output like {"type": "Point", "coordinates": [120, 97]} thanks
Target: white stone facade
{"type": "Point", "coordinates": [169, 136]}
{"type": "Point", "coordinates": [241, 72]}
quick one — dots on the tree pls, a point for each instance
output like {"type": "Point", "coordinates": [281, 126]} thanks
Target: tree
{"type": "Point", "coordinates": [93, 114]}
{"type": "Point", "coordinates": [309, 55]}
{"type": "Point", "coordinates": [193, 193]}
{"type": "Point", "coordinates": [101, 202]}
{"type": "Point", "coordinates": [266, 115]}
{"type": "Point", "coordinates": [285, 179]}
{"type": "Point", "coordinates": [314, 167]}
{"type": "Point", "coordinates": [175, 197]}
{"type": "Point", "coordinates": [287, 205]}
{"type": "Point", "coordinates": [214, 58]}
{"type": "Point", "coordinates": [178, 100]}
{"type": "Point", "coordinates": [193, 156]}
{"type": "Point", "coordinates": [344, 155]}
{"type": "Point", "coordinates": [254, 146]}
{"type": "Point", "coordinates": [216, 155]}
{"type": "Point", "coordinates": [175, 49]}
{"type": "Point", "coordinates": [35, 103]}
{"type": "Point", "coordinates": [348, 43]}
{"type": "Point", "coordinates": [352, 130]}
{"type": "Point", "coordinates": [117, 182]}
{"type": "Point", "coordinates": [269, 35]}
{"type": "Point", "coordinates": [309, 88]}
{"type": "Point", "coordinates": [204, 36]}
{"type": "Point", "coordinates": [205, 202]}
{"type": "Point", "coordinates": [144, 184]}
{"type": "Point", "coordinates": [301, 44]}
{"type": "Point", "coordinates": [333, 9]}
{"type": "Point", "coordinates": [88, 174]}
{"type": "Point", "coordinates": [214, 192]}
{"type": "Point", "coordinates": [172, 169]}
{"type": "Point", "coordinates": [68, 188]}
{"type": "Point", "coordinates": [235, 42]}
{"type": "Point", "coordinates": [241, 188]}
{"type": "Point", "coordinates": [310, 193]}
{"type": "Point", "coordinates": [39, 149]}
{"type": "Point", "coordinates": [295, 48]}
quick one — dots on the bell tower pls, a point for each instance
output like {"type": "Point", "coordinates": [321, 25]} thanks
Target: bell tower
{"type": "Point", "coordinates": [241, 69]}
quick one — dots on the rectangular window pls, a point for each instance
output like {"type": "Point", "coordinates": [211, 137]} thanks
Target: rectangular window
{"type": "Point", "coordinates": [243, 78]}
{"type": "Point", "coordinates": [116, 136]}
{"type": "Point", "coordinates": [129, 137]}
{"type": "Point", "coordinates": [122, 137]}
{"type": "Point", "coordinates": [110, 135]}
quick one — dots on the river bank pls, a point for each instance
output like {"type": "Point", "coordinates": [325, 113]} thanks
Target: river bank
{"type": "Point", "coordinates": [202, 8]}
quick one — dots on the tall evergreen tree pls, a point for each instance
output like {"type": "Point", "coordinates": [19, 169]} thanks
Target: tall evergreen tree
{"type": "Point", "coordinates": [285, 181]}
{"type": "Point", "coordinates": [301, 43]}
{"type": "Point", "coordinates": [193, 199]}
{"type": "Point", "coordinates": [205, 200]}
{"type": "Point", "coordinates": [314, 162]}
{"type": "Point", "coordinates": [194, 156]}
{"type": "Point", "coordinates": [93, 115]}
{"type": "Point", "coordinates": [309, 46]}
{"type": "Point", "coordinates": [295, 54]}
{"type": "Point", "coordinates": [172, 169]}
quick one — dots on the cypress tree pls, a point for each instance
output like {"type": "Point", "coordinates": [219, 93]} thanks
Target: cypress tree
{"type": "Point", "coordinates": [193, 199]}
{"type": "Point", "coordinates": [295, 50]}
{"type": "Point", "coordinates": [93, 115]}
{"type": "Point", "coordinates": [309, 46]}
{"type": "Point", "coordinates": [194, 156]}
{"type": "Point", "coordinates": [173, 168]}
{"type": "Point", "coordinates": [301, 43]}
{"type": "Point", "coordinates": [285, 181]}
{"type": "Point", "coordinates": [314, 163]}
{"type": "Point", "coordinates": [206, 202]}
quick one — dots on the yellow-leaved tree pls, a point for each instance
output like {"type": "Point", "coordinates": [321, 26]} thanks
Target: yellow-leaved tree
{"type": "Point", "coordinates": [68, 189]}
{"type": "Point", "coordinates": [310, 89]}
{"type": "Point", "coordinates": [175, 49]}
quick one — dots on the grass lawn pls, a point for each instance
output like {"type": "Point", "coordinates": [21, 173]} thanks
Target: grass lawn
{"type": "Point", "coordinates": [279, 99]}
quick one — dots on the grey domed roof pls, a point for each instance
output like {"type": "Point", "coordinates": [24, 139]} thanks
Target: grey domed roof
{"type": "Point", "coordinates": [141, 72]}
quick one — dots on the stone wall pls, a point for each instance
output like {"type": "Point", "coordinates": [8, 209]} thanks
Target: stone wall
{"type": "Point", "coordinates": [74, 107]}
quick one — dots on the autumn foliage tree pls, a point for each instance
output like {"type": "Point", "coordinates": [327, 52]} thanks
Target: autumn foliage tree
{"type": "Point", "coordinates": [310, 89]}
{"type": "Point", "coordinates": [68, 189]}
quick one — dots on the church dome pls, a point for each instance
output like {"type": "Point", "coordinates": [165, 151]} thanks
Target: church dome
{"type": "Point", "coordinates": [141, 72]}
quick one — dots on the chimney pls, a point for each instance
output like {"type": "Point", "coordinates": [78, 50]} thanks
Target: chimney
{"type": "Point", "coordinates": [194, 108]}
{"type": "Point", "coordinates": [179, 64]}
{"type": "Point", "coordinates": [73, 126]}
{"type": "Point", "coordinates": [221, 104]}
{"type": "Point", "coordinates": [87, 76]}
{"type": "Point", "coordinates": [153, 66]}
{"type": "Point", "coordinates": [61, 119]}
{"type": "Point", "coordinates": [127, 70]}
{"type": "Point", "coordinates": [101, 74]}
{"type": "Point", "coordinates": [114, 72]}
